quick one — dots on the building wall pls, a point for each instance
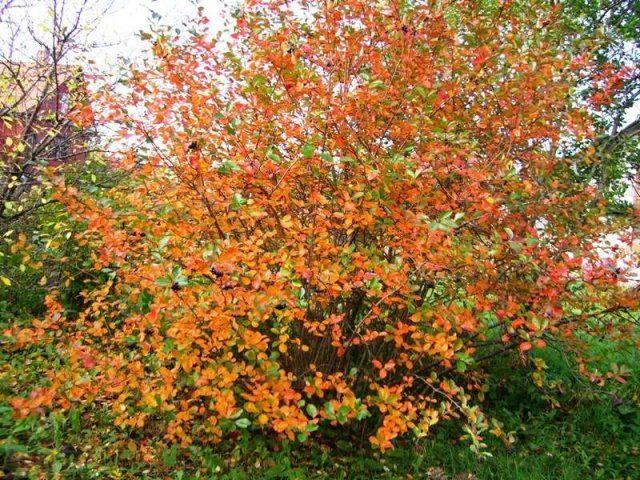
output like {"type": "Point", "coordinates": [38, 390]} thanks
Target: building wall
{"type": "Point", "coordinates": [66, 147]}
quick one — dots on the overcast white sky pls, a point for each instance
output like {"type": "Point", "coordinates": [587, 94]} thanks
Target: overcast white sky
{"type": "Point", "coordinates": [126, 18]}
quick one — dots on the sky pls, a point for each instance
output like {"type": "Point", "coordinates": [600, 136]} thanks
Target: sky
{"type": "Point", "coordinates": [126, 18]}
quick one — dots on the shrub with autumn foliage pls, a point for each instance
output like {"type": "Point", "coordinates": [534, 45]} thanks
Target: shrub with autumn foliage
{"type": "Point", "coordinates": [338, 212]}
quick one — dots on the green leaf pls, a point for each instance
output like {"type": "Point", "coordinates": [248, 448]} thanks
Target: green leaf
{"type": "Point", "coordinates": [236, 414]}
{"type": "Point", "coordinates": [516, 246]}
{"type": "Point", "coordinates": [328, 407]}
{"type": "Point", "coordinates": [164, 281]}
{"type": "Point", "coordinates": [243, 423]}
{"type": "Point", "coordinates": [376, 85]}
{"type": "Point", "coordinates": [273, 156]}
{"type": "Point", "coordinates": [509, 232]}
{"type": "Point", "coordinates": [237, 201]}
{"type": "Point", "coordinates": [343, 411]}
{"type": "Point", "coordinates": [312, 410]}
{"type": "Point", "coordinates": [307, 150]}
{"type": "Point", "coordinates": [163, 242]}
{"type": "Point", "coordinates": [362, 414]}
{"type": "Point", "coordinates": [228, 166]}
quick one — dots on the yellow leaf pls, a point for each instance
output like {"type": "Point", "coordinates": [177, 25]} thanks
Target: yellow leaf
{"type": "Point", "coordinates": [287, 221]}
{"type": "Point", "coordinates": [5, 280]}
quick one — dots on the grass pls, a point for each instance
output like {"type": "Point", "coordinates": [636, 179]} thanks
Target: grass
{"type": "Point", "coordinates": [560, 446]}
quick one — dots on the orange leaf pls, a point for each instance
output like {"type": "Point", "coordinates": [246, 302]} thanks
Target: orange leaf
{"type": "Point", "coordinates": [525, 346]}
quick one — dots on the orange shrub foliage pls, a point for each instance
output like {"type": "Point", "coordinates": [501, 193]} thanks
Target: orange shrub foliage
{"type": "Point", "coordinates": [340, 210]}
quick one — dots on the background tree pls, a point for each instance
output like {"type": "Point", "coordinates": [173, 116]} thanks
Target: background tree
{"type": "Point", "coordinates": [611, 31]}
{"type": "Point", "coordinates": [46, 116]}
{"type": "Point", "coordinates": [46, 133]}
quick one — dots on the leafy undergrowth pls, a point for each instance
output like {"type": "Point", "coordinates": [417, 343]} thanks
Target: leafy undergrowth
{"type": "Point", "coordinates": [593, 433]}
